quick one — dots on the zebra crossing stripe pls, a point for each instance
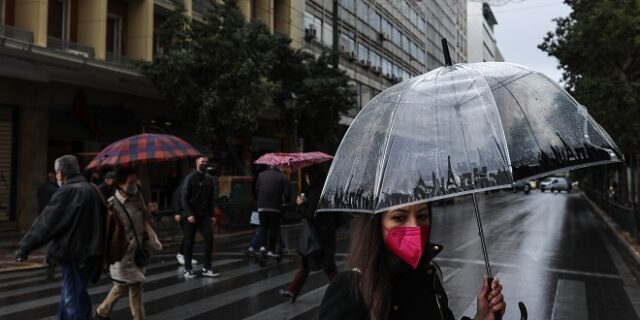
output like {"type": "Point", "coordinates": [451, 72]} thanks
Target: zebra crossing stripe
{"type": "Point", "coordinates": [178, 288]}
{"type": "Point", "coordinates": [288, 310]}
{"type": "Point", "coordinates": [24, 306]}
{"type": "Point", "coordinates": [570, 301]}
{"type": "Point", "coordinates": [55, 284]}
{"type": "Point", "coordinates": [213, 302]}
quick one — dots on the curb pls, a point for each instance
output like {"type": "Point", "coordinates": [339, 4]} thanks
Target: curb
{"type": "Point", "coordinates": [603, 216]}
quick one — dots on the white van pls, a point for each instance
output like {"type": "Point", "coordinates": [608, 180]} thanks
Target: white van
{"type": "Point", "coordinates": [555, 184]}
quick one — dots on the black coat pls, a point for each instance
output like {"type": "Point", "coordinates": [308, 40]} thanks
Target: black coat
{"type": "Point", "coordinates": [272, 188]}
{"type": "Point", "coordinates": [106, 190]}
{"type": "Point", "coordinates": [415, 294]}
{"type": "Point", "coordinates": [73, 222]}
{"type": "Point", "coordinates": [324, 224]}
{"type": "Point", "coordinates": [45, 192]}
{"type": "Point", "coordinates": [198, 192]}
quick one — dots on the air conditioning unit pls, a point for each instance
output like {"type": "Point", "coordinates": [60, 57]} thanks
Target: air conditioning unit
{"type": "Point", "coordinates": [383, 36]}
{"type": "Point", "coordinates": [376, 70]}
{"type": "Point", "coordinates": [352, 55]}
{"type": "Point", "coordinates": [310, 33]}
{"type": "Point", "coordinates": [363, 62]}
{"type": "Point", "coordinates": [368, 64]}
{"type": "Point", "coordinates": [388, 76]}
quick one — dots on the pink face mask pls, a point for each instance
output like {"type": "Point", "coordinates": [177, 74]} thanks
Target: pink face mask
{"type": "Point", "coordinates": [407, 243]}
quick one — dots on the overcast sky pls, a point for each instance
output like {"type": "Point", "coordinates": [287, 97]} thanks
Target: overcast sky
{"type": "Point", "coordinates": [521, 27]}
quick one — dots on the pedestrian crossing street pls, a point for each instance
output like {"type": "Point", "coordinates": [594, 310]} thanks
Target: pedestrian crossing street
{"type": "Point", "coordinates": [244, 290]}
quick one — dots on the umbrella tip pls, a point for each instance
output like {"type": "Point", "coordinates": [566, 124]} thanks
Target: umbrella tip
{"type": "Point", "coordinates": [445, 51]}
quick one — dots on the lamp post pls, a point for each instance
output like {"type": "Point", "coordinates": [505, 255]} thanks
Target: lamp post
{"type": "Point", "coordinates": [290, 103]}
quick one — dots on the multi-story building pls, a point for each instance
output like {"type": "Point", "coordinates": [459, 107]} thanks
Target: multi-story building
{"type": "Point", "coordinates": [383, 42]}
{"type": "Point", "coordinates": [481, 40]}
{"type": "Point", "coordinates": [67, 84]}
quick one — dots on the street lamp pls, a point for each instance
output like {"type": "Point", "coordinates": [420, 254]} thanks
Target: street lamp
{"type": "Point", "coordinates": [290, 103]}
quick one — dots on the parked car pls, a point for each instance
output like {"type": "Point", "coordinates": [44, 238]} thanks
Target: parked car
{"type": "Point", "coordinates": [556, 184]}
{"type": "Point", "coordinates": [525, 186]}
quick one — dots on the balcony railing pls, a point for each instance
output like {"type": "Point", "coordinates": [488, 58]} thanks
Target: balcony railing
{"type": "Point", "coordinates": [119, 59]}
{"type": "Point", "coordinates": [16, 33]}
{"type": "Point", "coordinates": [201, 6]}
{"type": "Point", "coordinates": [70, 47]}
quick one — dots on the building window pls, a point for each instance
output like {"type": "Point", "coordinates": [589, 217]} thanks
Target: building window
{"type": "Point", "coordinates": [349, 5]}
{"type": "Point", "coordinates": [58, 19]}
{"type": "Point", "coordinates": [375, 59]}
{"type": "Point", "coordinates": [362, 10]}
{"type": "Point", "coordinates": [363, 52]}
{"type": "Point", "coordinates": [327, 34]}
{"type": "Point", "coordinates": [374, 20]}
{"type": "Point", "coordinates": [2, 11]}
{"type": "Point", "coordinates": [114, 34]}
{"type": "Point", "coordinates": [346, 42]}
{"type": "Point", "coordinates": [386, 27]}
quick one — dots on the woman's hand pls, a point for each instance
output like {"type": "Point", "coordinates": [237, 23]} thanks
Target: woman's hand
{"type": "Point", "coordinates": [490, 303]}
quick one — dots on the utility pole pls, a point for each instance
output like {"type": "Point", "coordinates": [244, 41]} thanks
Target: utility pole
{"type": "Point", "coordinates": [336, 35]}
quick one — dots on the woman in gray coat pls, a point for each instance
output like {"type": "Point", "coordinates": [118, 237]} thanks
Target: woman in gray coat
{"type": "Point", "coordinates": [129, 205]}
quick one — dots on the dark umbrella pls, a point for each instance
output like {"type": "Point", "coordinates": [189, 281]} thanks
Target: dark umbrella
{"type": "Point", "coordinates": [458, 130]}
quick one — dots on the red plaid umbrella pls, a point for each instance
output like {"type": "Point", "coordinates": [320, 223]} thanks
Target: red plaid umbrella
{"type": "Point", "coordinates": [143, 148]}
{"type": "Point", "coordinates": [293, 161]}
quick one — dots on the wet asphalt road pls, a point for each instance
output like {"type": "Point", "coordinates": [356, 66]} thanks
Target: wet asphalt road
{"type": "Point", "coordinates": [549, 250]}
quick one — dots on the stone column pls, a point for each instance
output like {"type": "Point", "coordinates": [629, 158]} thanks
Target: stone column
{"type": "Point", "coordinates": [92, 25]}
{"type": "Point", "coordinates": [140, 30]}
{"type": "Point", "coordinates": [32, 15]}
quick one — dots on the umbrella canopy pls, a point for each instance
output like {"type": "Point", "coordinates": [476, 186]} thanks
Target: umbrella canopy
{"type": "Point", "coordinates": [457, 130]}
{"type": "Point", "coordinates": [293, 161]}
{"type": "Point", "coordinates": [143, 148]}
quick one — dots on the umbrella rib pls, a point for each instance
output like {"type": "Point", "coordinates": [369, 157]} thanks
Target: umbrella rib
{"type": "Point", "coordinates": [389, 142]}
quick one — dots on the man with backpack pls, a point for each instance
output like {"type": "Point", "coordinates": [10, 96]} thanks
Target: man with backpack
{"type": "Point", "coordinates": [73, 222]}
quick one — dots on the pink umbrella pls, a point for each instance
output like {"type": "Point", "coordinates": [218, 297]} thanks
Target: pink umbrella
{"type": "Point", "coordinates": [293, 161]}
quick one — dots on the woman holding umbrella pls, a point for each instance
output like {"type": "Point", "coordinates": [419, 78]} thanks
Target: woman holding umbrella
{"type": "Point", "coordinates": [392, 273]}
{"type": "Point", "coordinates": [129, 273]}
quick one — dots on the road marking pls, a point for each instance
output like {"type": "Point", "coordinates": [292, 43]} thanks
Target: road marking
{"type": "Point", "coordinates": [570, 301]}
{"type": "Point", "coordinates": [18, 307]}
{"type": "Point", "coordinates": [520, 267]}
{"type": "Point", "coordinates": [631, 287]}
{"type": "Point", "coordinates": [288, 310]}
{"type": "Point", "coordinates": [212, 302]}
{"type": "Point", "coordinates": [55, 284]}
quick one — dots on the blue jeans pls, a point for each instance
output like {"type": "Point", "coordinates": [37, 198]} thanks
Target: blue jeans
{"type": "Point", "coordinates": [74, 300]}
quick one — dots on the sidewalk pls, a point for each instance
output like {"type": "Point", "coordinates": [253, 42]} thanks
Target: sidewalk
{"type": "Point", "coordinates": [631, 246]}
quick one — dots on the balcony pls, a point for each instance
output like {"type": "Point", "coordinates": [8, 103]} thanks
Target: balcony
{"type": "Point", "coordinates": [201, 6]}
{"type": "Point", "coordinates": [119, 59]}
{"type": "Point", "coordinates": [15, 34]}
{"type": "Point", "coordinates": [70, 48]}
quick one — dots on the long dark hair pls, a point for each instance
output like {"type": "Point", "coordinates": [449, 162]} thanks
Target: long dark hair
{"type": "Point", "coordinates": [368, 255]}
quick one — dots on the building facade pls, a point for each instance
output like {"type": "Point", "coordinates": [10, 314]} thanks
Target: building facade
{"type": "Point", "coordinates": [482, 45]}
{"type": "Point", "coordinates": [383, 42]}
{"type": "Point", "coordinates": [67, 83]}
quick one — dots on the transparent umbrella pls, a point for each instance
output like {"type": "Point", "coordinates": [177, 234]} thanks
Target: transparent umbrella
{"type": "Point", "coordinates": [458, 130]}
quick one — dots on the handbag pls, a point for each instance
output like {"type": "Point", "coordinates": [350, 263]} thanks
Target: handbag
{"type": "Point", "coordinates": [309, 242]}
{"type": "Point", "coordinates": [141, 256]}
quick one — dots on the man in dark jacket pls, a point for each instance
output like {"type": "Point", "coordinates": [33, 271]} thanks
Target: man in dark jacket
{"type": "Point", "coordinates": [107, 188]}
{"type": "Point", "coordinates": [73, 222]}
{"type": "Point", "coordinates": [198, 192]}
{"type": "Point", "coordinates": [45, 192]}
{"type": "Point", "coordinates": [272, 188]}
{"type": "Point", "coordinates": [176, 207]}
